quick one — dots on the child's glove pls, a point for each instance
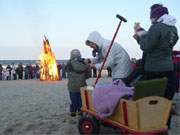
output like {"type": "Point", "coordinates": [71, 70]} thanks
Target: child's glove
{"type": "Point", "coordinates": [87, 61]}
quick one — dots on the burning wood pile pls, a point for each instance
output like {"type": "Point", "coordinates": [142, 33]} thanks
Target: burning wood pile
{"type": "Point", "coordinates": [48, 64]}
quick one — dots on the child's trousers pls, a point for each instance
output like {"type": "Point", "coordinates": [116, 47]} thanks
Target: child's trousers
{"type": "Point", "coordinates": [76, 102]}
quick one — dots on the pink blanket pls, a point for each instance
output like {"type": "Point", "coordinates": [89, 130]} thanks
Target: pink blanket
{"type": "Point", "coordinates": [106, 97]}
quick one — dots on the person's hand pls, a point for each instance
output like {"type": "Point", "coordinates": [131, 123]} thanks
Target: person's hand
{"type": "Point", "coordinates": [136, 27]}
{"type": "Point", "coordinates": [87, 61]}
{"type": "Point", "coordinates": [92, 65]}
{"type": "Point", "coordinates": [139, 31]}
{"type": "Point", "coordinates": [136, 37]}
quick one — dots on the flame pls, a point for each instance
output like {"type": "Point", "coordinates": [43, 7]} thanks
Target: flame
{"type": "Point", "coordinates": [48, 64]}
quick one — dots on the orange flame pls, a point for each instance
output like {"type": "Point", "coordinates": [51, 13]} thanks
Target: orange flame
{"type": "Point", "coordinates": [48, 70]}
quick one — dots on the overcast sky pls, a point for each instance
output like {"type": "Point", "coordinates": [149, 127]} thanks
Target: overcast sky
{"type": "Point", "coordinates": [67, 23]}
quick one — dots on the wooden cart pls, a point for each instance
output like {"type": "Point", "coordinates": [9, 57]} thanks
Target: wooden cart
{"type": "Point", "coordinates": [144, 116]}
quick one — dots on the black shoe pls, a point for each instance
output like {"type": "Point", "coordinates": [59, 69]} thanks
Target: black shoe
{"type": "Point", "coordinates": [73, 114]}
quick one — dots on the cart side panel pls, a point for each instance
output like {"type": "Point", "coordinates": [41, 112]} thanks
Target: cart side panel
{"type": "Point", "coordinates": [91, 104]}
{"type": "Point", "coordinates": [118, 114]}
{"type": "Point", "coordinates": [132, 114]}
{"type": "Point", "coordinates": [153, 113]}
{"type": "Point", "coordinates": [87, 101]}
{"type": "Point", "coordinates": [83, 97]}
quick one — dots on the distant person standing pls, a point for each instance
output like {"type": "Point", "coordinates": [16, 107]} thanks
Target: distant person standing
{"type": "Point", "coordinates": [7, 73]}
{"type": "Point", "coordinates": [13, 72]}
{"type": "Point", "coordinates": [4, 77]}
{"type": "Point", "coordinates": [26, 71]}
{"type": "Point", "coordinates": [8, 68]}
{"type": "Point", "coordinates": [1, 69]}
{"type": "Point", "coordinates": [63, 70]}
{"type": "Point", "coordinates": [20, 71]}
{"type": "Point", "coordinates": [36, 71]}
{"type": "Point", "coordinates": [59, 67]}
{"type": "Point", "coordinates": [30, 71]}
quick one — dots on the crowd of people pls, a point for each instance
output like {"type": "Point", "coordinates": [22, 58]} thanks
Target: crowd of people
{"type": "Point", "coordinates": [32, 71]}
{"type": "Point", "coordinates": [16, 72]}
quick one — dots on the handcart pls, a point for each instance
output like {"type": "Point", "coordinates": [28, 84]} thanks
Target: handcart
{"type": "Point", "coordinates": [144, 115]}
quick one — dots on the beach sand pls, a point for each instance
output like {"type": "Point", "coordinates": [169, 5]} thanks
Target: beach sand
{"type": "Point", "coordinates": [32, 107]}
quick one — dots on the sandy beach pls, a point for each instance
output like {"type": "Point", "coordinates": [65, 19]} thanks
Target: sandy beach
{"type": "Point", "coordinates": [32, 107]}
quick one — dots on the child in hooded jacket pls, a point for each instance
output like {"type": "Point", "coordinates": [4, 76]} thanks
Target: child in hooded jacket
{"type": "Point", "coordinates": [78, 71]}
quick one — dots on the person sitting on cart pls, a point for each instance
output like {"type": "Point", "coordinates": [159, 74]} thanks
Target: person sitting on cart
{"type": "Point", "coordinates": [118, 59]}
{"type": "Point", "coordinates": [78, 71]}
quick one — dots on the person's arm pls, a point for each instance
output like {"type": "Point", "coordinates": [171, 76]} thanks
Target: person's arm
{"type": "Point", "coordinates": [149, 41]}
{"type": "Point", "coordinates": [109, 61]}
{"type": "Point", "coordinates": [79, 66]}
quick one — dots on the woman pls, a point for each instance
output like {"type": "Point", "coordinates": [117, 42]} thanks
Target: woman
{"type": "Point", "coordinates": [118, 59]}
{"type": "Point", "coordinates": [157, 43]}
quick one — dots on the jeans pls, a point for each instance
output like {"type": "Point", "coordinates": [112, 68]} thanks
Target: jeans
{"type": "Point", "coordinates": [76, 101]}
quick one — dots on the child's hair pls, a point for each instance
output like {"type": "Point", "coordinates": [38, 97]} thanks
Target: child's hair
{"type": "Point", "coordinates": [75, 54]}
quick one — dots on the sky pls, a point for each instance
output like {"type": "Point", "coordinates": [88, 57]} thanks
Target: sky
{"type": "Point", "coordinates": [67, 23]}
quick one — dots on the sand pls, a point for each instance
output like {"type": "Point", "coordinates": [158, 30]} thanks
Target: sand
{"type": "Point", "coordinates": [32, 107]}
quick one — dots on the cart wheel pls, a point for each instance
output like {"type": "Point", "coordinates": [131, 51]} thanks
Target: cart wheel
{"type": "Point", "coordinates": [88, 125]}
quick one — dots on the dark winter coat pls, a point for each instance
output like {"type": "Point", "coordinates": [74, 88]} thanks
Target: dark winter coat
{"type": "Point", "coordinates": [77, 73]}
{"type": "Point", "coordinates": [158, 44]}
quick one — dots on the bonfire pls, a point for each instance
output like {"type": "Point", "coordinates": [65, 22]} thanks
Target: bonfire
{"type": "Point", "coordinates": [48, 64]}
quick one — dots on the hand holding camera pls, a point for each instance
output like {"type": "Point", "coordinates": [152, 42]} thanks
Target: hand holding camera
{"type": "Point", "coordinates": [139, 31]}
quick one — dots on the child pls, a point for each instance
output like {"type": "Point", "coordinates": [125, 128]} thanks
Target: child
{"type": "Point", "coordinates": [78, 71]}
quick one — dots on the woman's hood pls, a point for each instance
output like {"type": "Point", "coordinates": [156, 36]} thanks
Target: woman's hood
{"type": "Point", "coordinates": [96, 38]}
{"type": "Point", "coordinates": [167, 19]}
